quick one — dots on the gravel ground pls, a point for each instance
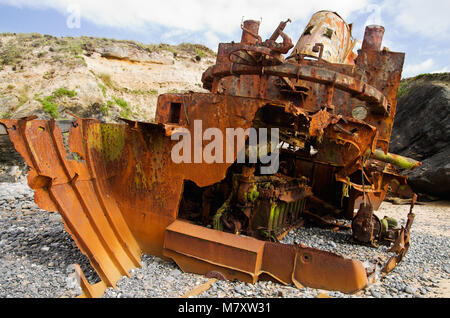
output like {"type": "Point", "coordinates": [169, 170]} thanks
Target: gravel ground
{"type": "Point", "coordinates": [36, 257]}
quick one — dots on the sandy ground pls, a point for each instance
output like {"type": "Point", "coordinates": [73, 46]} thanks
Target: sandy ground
{"type": "Point", "coordinates": [432, 218]}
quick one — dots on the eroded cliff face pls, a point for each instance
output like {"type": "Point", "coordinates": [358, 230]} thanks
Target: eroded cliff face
{"type": "Point", "coordinates": [90, 77]}
{"type": "Point", "coordinates": [422, 132]}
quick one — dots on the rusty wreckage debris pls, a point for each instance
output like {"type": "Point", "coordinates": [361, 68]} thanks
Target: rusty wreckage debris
{"type": "Point", "coordinates": [120, 194]}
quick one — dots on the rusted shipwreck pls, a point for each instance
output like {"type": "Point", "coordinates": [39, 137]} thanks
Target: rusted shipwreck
{"type": "Point", "coordinates": [121, 194]}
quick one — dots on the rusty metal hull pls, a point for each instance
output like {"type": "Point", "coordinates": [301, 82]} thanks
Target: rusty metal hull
{"type": "Point", "coordinates": [117, 202]}
{"type": "Point", "coordinates": [121, 194]}
{"type": "Point", "coordinates": [118, 198]}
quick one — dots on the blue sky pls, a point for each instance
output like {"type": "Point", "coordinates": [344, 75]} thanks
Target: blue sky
{"type": "Point", "coordinates": [419, 28]}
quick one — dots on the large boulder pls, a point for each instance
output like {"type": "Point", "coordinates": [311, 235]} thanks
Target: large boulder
{"type": "Point", "coordinates": [422, 132]}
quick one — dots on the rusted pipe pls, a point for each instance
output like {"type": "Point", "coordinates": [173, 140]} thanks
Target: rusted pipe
{"type": "Point", "coordinates": [396, 160]}
{"type": "Point", "coordinates": [279, 30]}
{"type": "Point", "coordinates": [373, 37]}
{"type": "Point", "coordinates": [250, 29]}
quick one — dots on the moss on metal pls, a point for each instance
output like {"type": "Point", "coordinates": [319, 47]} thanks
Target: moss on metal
{"type": "Point", "coordinates": [396, 160]}
{"type": "Point", "coordinates": [107, 139]}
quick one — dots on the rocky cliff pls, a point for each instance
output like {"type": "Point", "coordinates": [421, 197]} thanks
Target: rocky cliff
{"type": "Point", "coordinates": [91, 77]}
{"type": "Point", "coordinates": [422, 131]}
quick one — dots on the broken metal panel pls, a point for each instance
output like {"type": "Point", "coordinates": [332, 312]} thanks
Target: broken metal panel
{"type": "Point", "coordinates": [220, 248]}
{"type": "Point", "coordinates": [279, 261]}
{"type": "Point", "coordinates": [195, 247]}
{"type": "Point", "coordinates": [324, 270]}
{"type": "Point", "coordinates": [382, 69]}
{"type": "Point", "coordinates": [134, 162]}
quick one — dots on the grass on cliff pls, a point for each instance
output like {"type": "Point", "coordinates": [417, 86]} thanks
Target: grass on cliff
{"type": "Point", "coordinates": [76, 45]}
{"type": "Point", "coordinates": [407, 83]}
{"type": "Point", "coordinates": [150, 92]}
{"type": "Point", "coordinates": [107, 80]}
{"type": "Point", "coordinates": [20, 49]}
{"type": "Point", "coordinates": [103, 89]}
{"type": "Point", "coordinates": [10, 54]}
{"type": "Point", "coordinates": [403, 89]}
{"type": "Point", "coordinates": [125, 109]}
{"type": "Point", "coordinates": [49, 103]}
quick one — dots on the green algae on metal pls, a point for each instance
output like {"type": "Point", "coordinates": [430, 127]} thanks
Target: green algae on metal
{"type": "Point", "coordinates": [107, 139]}
{"type": "Point", "coordinates": [140, 179]}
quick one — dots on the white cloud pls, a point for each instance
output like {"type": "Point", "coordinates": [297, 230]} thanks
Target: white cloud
{"type": "Point", "coordinates": [427, 66]}
{"type": "Point", "coordinates": [446, 69]}
{"type": "Point", "coordinates": [211, 39]}
{"type": "Point", "coordinates": [375, 17]}
{"type": "Point", "coordinates": [214, 21]}
{"type": "Point", "coordinates": [423, 18]}
{"type": "Point", "coordinates": [415, 69]}
{"type": "Point", "coordinates": [218, 17]}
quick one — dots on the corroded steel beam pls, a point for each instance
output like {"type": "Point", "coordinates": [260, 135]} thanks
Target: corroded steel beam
{"type": "Point", "coordinates": [64, 126]}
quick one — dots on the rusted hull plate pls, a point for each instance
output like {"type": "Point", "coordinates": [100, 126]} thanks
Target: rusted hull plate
{"type": "Point", "coordinates": [73, 189]}
{"type": "Point", "coordinates": [116, 186]}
